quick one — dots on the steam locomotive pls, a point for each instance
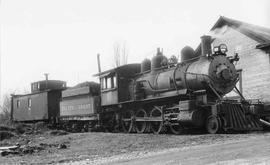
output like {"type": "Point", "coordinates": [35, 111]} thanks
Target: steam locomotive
{"type": "Point", "coordinates": [161, 94]}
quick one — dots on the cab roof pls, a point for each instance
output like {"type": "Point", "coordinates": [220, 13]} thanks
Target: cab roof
{"type": "Point", "coordinates": [128, 70]}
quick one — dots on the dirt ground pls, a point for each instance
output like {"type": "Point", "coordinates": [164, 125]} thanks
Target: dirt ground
{"type": "Point", "coordinates": [243, 152]}
{"type": "Point", "coordinates": [107, 148]}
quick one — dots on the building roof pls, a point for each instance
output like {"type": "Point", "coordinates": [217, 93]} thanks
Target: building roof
{"type": "Point", "coordinates": [255, 32]}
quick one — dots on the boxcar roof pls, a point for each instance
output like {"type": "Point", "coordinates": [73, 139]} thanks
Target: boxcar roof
{"type": "Point", "coordinates": [36, 93]}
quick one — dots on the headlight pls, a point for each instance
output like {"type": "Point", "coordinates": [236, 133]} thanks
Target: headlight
{"type": "Point", "coordinates": [216, 49]}
{"type": "Point", "coordinates": [223, 48]}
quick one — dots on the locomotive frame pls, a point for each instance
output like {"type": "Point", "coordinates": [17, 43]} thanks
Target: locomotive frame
{"type": "Point", "coordinates": [164, 106]}
{"type": "Point", "coordinates": [159, 114]}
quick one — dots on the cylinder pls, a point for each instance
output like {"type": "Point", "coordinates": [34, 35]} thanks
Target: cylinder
{"type": "Point", "coordinates": [206, 45]}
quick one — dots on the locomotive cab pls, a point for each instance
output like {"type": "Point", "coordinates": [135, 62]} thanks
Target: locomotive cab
{"type": "Point", "coordinates": [115, 86]}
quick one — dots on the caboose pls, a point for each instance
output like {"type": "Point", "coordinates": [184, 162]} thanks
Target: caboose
{"type": "Point", "coordinates": [42, 104]}
{"type": "Point", "coordinates": [162, 94]}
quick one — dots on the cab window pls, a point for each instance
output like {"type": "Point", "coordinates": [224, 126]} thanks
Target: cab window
{"type": "Point", "coordinates": [109, 82]}
{"type": "Point", "coordinates": [114, 82]}
{"type": "Point", "coordinates": [103, 83]}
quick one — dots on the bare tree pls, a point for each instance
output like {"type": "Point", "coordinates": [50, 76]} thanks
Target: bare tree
{"type": "Point", "coordinates": [120, 54]}
{"type": "Point", "coordinates": [5, 109]}
{"type": "Point", "coordinates": [116, 49]}
{"type": "Point", "coordinates": [124, 54]}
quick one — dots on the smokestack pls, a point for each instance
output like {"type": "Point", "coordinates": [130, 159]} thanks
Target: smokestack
{"type": "Point", "coordinates": [98, 60]}
{"type": "Point", "coordinates": [206, 45]}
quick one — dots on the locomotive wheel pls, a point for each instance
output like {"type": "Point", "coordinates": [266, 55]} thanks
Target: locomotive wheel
{"type": "Point", "coordinates": [212, 124]}
{"type": "Point", "coordinates": [127, 121]}
{"type": "Point", "coordinates": [176, 129]}
{"type": "Point", "coordinates": [141, 126]}
{"type": "Point", "coordinates": [156, 126]}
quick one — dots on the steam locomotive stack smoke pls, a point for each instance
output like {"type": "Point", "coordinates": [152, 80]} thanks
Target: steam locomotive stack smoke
{"type": "Point", "coordinates": [206, 45]}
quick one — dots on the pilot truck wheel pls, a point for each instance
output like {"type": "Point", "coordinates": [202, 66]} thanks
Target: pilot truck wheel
{"type": "Point", "coordinates": [212, 124]}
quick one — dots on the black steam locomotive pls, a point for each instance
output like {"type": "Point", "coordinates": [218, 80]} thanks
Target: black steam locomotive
{"type": "Point", "coordinates": [162, 94]}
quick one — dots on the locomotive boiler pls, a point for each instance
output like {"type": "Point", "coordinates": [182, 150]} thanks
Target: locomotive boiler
{"type": "Point", "coordinates": [214, 73]}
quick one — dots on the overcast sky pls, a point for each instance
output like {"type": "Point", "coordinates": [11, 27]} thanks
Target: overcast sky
{"type": "Point", "coordinates": [62, 37]}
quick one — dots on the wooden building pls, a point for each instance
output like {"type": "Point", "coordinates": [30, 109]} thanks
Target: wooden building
{"type": "Point", "coordinates": [252, 43]}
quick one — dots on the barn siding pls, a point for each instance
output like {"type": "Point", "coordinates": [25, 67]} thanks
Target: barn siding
{"type": "Point", "coordinates": [255, 63]}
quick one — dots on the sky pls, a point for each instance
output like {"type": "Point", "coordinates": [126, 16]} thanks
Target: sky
{"type": "Point", "coordinates": [63, 37]}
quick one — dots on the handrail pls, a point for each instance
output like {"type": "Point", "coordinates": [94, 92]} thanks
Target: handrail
{"type": "Point", "coordinates": [153, 89]}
